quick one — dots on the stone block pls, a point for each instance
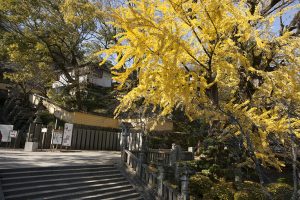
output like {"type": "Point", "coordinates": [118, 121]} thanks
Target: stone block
{"type": "Point", "coordinates": [31, 146]}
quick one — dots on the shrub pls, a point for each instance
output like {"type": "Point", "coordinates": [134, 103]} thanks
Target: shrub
{"type": "Point", "coordinates": [215, 169]}
{"type": "Point", "coordinates": [199, 185]}
{"type": "Point", "coordinates": [250, 190]}
{"type": "Point", "coordinates": [193, 164]}
{"type": "Point", "coordinates": [282, 180]}
{"type": "Point", "coordinates": [228, 174]}
{"type": "Point", "coordinates": [242, 195]}
{"type": "Point", "coordinates": [280, 191]}
{"type": "Point", "coordinates": [220, 191]}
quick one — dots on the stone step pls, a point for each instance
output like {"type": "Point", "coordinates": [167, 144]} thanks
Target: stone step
{"type": "Point", "coordinates": [104, 178]}
{"type": "Point", "coordinates": [56, 186]}
{"type": "Point", "coordinates": [101, 193]}
{"type": "Point", "coordinates": [73, 192]}
{"type": "Point", "coordinates": [65, 174]}
{"type": "Point", "coordinates": [131, 196]}
{"type": "Point", "coordinates": [8, 170]}
{"type": "Point", "coordinates": [48, 171]}
{"type": "Point", "coordinates": [104, 182]}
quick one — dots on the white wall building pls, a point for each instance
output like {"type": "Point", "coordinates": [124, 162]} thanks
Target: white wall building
{"type": "Point", "coordinates": [90, 74]}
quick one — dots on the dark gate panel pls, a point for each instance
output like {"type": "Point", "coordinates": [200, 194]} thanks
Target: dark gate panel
{"type": "Point", "coordinates": [83, 137]}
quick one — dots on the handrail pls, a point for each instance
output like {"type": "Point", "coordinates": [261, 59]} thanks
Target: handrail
{"type": "Point", "coordinates": [156, 156]}
{"type": "Point", "coordinates": [162, 156]}
{"type": "Point", "coordinates": [131, 154]}
{"type": "Point", "coordinates": [159, 150]}
{"type": "Point", "coordinates": [131, 160]}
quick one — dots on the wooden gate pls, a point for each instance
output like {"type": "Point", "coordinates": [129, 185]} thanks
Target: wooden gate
{"type": "Point", "coordinates": [83, 137]}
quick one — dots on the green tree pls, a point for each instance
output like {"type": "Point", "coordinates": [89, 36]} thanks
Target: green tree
{"type": "Point", "coordinates": [54, 35]}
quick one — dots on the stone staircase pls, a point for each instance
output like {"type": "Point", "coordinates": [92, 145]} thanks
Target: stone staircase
{"type": "Point", "coordinates": [66, 182]}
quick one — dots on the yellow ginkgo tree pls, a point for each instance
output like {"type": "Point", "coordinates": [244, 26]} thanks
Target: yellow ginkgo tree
{"type": "Point", "coordinates": [218, 60]}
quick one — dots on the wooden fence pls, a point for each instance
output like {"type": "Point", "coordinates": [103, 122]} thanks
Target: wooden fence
{"type": "Point", "coordinates": [83, 137]}
{"type": "Point", "coordinates": [95, 139]}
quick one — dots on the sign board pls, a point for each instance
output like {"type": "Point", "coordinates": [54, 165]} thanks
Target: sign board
{"type": "Point", "coordinates": [57, 137]}
{"type": "Point", "coordinates": [13, 134]}
{"type": "Point", "coordinates": [44, 130]}
{"type": "Point", "coordinates": [5, 130]}
{"type": "Point", "coordinates": [67, 138]}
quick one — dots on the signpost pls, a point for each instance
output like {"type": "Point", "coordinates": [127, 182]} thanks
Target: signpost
{"type": "Point", "coordinates": [13, 134]}
{"type": "Point", "coordinates": [56, 137]}
{"type": "Point", "coordinates": [67, 138]}
{"type": "Point", "coordinates": [44, 131]}
{"type": "Point", "coordinates": [5, 131]}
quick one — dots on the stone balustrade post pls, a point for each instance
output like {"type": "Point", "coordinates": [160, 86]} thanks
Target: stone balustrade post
{"type": "Point", "coordinates": [124, 139]}
{"type": "Point", "coordinates": [140, 163]}
{"type": "Point", "coordinates": [185, 194]}
{"type": "Point", "coordinates": [177, 172]}
{"type": "Point", "coordinates": [237, 176]}
{"type": "Point", "coordinates": [160, 180]}
{"type": "Point", "coordinates": [175, 154]}
{"type": "Point", "coordinates": [142, 156]}
{"type": "Point", "coordinates": [192, 150]}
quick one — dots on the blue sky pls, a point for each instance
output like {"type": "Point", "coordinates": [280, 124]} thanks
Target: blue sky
{"type": "Point", "coordinates": [287, 18]}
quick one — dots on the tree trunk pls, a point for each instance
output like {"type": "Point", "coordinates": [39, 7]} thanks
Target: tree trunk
{"type": "Point", "coordinates": [78, 98]}
{"type": "Point", "coordinates": [78, 95]}
{"type": "Point", "coordinates": [250, 148]}
{"type": "Point", "coordinates": [253, 156]}
{"type": "Point", "coordinates": [294, 154]}
{"type": "Point", "coordinates": [295, 177]}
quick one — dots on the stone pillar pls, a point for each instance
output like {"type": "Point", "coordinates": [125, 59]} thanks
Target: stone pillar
{"type": "Point", "coordinates": [237, 175]}
{"type": "Point", "coordinates": [30, 132]}
{"type": "Point", "coordinates": [175, 154]}
{"type": "Point", "coordinates": [142, 157]}
{"type": "Point", "coordinates": [38, 124]}
{"type": "Point", "coordinates": [185, 193]}
{"type": "Point", "coordinates": [32, 142]}
{"type": "Point", "coordinates": [177, 172]}
{"type": "Point", "coordinates": [160, 180]}
{"type": "Point", "coordinates": [124, 137]}
{"type": "Point", "coordinates": [192, 149]}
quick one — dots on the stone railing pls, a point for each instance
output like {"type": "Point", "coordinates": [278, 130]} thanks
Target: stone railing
{"type": "Point", "coordinates": [155, 178]}
{"type": "Point", "coordinates": [165, 162]}
{"type": "Point", "coordinates": [156, 155]}
{"type": "Point", "coordinates": [170, 193]}
{"type": "Point", "coordinates": [130, 160]}
{"type": "Point", "coordinates": [167, 156]}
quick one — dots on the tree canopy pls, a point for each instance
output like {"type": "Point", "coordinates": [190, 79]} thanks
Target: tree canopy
{"type": "Point", "coordinates": [218, 60]}
{"type": "Point", "coordinates": [54, 36]}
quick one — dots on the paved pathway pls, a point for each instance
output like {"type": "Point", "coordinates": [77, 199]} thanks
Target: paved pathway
{"type": "Point", "coordinates": [20, 159]}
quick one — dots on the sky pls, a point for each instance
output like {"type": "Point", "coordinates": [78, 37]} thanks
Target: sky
{"type": "Point", "coordinates": [287, 18]}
